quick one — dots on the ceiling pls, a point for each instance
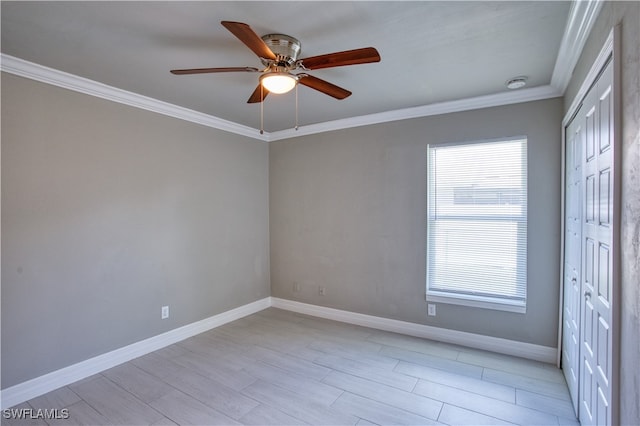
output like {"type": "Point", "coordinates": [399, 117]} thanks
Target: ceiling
{"type": "Point", "coordinates": [432, 51]}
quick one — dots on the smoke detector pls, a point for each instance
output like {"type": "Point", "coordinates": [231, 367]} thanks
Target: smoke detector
{"type": "Point", "coordinates": [516, 82]}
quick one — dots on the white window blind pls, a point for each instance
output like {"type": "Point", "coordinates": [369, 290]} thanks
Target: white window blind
{"type": "Point", "coordinates": [477, 224]}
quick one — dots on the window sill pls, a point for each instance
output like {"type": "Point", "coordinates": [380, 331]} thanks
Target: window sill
{"type": "Point", "coordinates": [478, 302]}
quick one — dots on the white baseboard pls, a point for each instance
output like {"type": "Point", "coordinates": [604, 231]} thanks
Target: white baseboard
{"type": "Point", "coordinates": [40, 385]}
{"type": "Point", "coordinates": [494, 344]}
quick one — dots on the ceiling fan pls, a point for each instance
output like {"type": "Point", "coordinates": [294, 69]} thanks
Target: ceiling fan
{"type": "Point", "coordinates": [279, 54]}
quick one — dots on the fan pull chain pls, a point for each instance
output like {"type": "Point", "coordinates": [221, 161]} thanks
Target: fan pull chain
{"type": "Point", "coordinates": [261, 111]}
{"type": "Point", "coordinates": [296, 106]}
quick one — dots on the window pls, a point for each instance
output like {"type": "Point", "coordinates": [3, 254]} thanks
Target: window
{"type": "Point", "coordinates": [477, 224]}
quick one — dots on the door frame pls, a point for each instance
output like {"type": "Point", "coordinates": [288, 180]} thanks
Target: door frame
{"type": "Point", "coordinates": [610, 49]}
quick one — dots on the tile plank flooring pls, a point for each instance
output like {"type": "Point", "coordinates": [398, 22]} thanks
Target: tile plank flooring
{"type": "Point", "coordinates": [281, 368]}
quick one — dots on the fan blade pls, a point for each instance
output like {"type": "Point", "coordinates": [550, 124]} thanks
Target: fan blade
{"type": "Point", "coordinates": [249, 38]}
{"type": "Point", "coordinates": [255, 96]}
{"type": "Point", "coordinates": [339, 59]}
{"type": "Point", "coordinates": [324, 86]}
{"type": "Point", "coordinates": [212, 70]}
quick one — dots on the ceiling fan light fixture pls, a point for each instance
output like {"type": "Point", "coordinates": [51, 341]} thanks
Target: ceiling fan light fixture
{"type": "Point", "coordinates": [278, 82]}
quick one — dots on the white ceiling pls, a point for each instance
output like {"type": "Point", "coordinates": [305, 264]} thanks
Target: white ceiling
{"type": "Point", "coordinates": [432, 51]}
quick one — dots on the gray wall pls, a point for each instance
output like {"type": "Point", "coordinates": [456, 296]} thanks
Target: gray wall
{"type": "Point", "coordinates": [628, 14]}
{"type": "Point", "coordinates": [348, 213]}
{"type": "Point", "coordinates": [110, 212]}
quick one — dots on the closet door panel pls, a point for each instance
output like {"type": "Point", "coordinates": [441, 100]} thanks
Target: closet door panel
{"type": "Point", "coordinates": [596, 309]}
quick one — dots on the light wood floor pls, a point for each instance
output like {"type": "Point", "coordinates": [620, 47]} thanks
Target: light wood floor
{"type": "Point", "coordinates": [278, 367]}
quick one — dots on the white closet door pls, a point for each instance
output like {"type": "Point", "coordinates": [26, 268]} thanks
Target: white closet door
{"type": "Point", "coordinates": [587, 341]}
{"type": "Point", "coordinates": [574, 142]}
{"type": "Point", "coordinates": [597, 259]}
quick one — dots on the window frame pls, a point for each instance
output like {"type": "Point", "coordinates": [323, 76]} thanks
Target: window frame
{"type": "Point", "coordinates": [476, 300]}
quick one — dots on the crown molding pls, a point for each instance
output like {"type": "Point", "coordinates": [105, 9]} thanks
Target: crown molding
{"type": "Point", "coordinates": [47, 75]}
{"type": "Point", "coordinates": [487, 101]}
{"type": "Point", "coordinates": [582, 16]}
{"type": "Point", "coordinates": [43, 74]}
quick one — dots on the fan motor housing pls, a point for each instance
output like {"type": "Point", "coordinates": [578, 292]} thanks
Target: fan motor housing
{"type": "Point", "coordinates": [286, 48]}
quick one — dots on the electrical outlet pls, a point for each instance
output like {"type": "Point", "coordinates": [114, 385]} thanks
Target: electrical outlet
{"type": "Point", "coordinates": [431, 309]}
{"type": "Point", "coordinates": [165, 312]}
{"type": "Point", "coordinates": [322, 291]}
